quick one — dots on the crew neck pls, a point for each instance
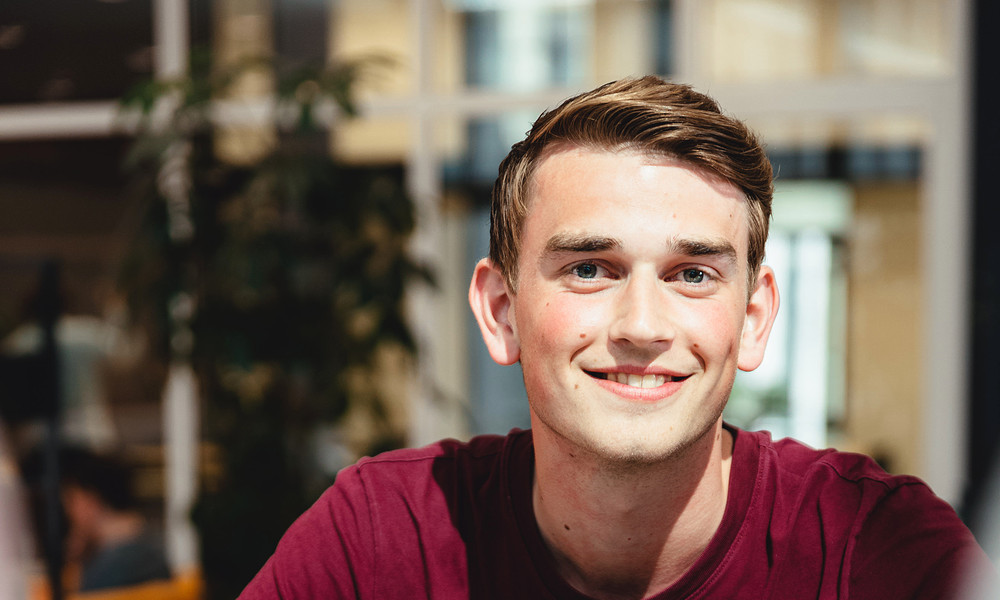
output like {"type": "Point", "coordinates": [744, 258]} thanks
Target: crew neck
{"type": "Point", "coordinates": [743, 478]}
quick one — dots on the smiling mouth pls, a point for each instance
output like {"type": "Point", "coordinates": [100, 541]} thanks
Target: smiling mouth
{"type": "Point", "coordinates": [638, 381]}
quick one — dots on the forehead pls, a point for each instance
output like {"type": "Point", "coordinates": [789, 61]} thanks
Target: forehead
{"type": "Point", "coordinates": [589, 181]}
{"type": "Point", "coordinates": [561, 157]}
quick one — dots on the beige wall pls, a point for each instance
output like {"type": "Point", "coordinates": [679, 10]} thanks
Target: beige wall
{"type": "Point", "coordinates": [774, 40]}
{"type": "Point", "coordinates": [883, 416]}
{"type": "Point", "coordinates": [623, 35]}
{"type": "Point", "coordinates": [242, 30]}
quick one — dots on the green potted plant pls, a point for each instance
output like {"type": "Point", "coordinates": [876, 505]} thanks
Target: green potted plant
{"type": "Point", "coordinates": [282, 281]}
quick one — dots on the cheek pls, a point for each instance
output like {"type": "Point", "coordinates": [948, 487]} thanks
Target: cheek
{"type": "Point", "coordinates": [558, 323]}
{"type": "Point", "coordinates": [712, 328]}
{"type": "Point", "coordinates": [570, 318]}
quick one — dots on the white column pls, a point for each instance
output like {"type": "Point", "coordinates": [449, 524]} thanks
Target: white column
{"type": "Point", "coordinates": [946, 255]}
{"type": "Point", "coordinates": [180, 454]}
{"type": "Point", "coordinates": [180, 401]}
{"type": "Point", "coordinates": [170, 38]}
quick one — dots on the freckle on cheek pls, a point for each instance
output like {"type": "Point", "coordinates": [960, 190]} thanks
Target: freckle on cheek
{"type": "Point", "coordinates": [583, 336]}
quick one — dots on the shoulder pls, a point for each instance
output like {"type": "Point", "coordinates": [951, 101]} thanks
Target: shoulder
{"type": "Point", "coordinates": [849, 490]}
{"type": "Point", "coordinates": [805, 494]}
{"type": "Point", "coordinates": [894, 537]}
{"type": "Point", "coordinates": [413, 503]}
{"type": "Point", "coordinates": [479, 447]}
{"type": "Point", "coordinates": [441, 463]}
{"type": "Point", "coordinates": [796, 466]}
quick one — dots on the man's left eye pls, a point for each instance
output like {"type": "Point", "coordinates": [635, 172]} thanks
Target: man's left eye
{"type": "Point", "coordinates": [693, 276]}
{"type": "Point", "coordinates": [585, 271]}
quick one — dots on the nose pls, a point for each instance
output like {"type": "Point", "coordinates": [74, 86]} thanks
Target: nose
{"type": "Point", "coordinates": [642, 316]}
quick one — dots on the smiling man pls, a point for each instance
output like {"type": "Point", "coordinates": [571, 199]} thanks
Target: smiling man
{"type": "Point", "coordinates": [625, 276]}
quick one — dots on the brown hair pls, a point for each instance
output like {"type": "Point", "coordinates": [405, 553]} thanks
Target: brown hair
{"type": "Point", "coordinates": [647, 115]}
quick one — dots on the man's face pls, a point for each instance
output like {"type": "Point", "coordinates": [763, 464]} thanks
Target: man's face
{"type": "Point", "coordinates": [631, 302]}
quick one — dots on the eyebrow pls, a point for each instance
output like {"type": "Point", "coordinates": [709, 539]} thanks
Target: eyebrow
{"type": "Point", "coordinates": [703, 247]}
{"type": "Point", "coordinates": [569, 242]}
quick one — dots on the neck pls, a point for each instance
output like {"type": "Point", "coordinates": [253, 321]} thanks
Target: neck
{"type": "Point", "coordinates": [595, 517]}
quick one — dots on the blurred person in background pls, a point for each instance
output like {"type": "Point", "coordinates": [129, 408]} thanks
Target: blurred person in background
{"type": "Point", "coordinates": [625, 277]}
{"type": "Point", "coordinates": [108, 536]}
{"type": "Point", "coordinates": [108, 541]}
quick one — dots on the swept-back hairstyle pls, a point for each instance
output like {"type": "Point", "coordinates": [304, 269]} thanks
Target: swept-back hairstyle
{"type": "Point", "coordinates": [646, 115]}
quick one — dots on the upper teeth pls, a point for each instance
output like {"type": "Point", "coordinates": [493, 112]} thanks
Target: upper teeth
{"type": "Point", "coordinates": [640, 381]}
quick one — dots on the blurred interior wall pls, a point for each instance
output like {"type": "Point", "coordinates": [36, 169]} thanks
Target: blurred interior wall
{"type": "Point", "coordinates": [883, 416]}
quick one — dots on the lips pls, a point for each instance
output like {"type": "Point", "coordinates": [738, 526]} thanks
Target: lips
{"type": "Point", "coordinates": [648, 380]}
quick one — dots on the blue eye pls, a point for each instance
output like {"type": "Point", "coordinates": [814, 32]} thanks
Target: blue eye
{"type": "Point", "coordinates": [585, 271]}
{"type": "Point", "coordinates": [693, 276]}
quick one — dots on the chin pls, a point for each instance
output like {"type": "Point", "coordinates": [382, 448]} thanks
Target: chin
{"type": "Point", "coordinates": [622, 450]}
{"type": "Point", "coordinates": [629, 445]}
{"type": "Point", "coordinates": [639, 455]}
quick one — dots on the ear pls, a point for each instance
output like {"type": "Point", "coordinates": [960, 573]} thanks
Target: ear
{"type": "Point", "coordinates": [761, 311]}
{"type": "Point", "coordinates": [491, 304]}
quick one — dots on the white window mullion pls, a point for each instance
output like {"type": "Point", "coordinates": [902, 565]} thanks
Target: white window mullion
{"type": "Point", "coordinates": [64, 120]}
{"type": "Point", "coordinates": [430, 419]}
{"type": "Point", "coordinates": [180, 397]}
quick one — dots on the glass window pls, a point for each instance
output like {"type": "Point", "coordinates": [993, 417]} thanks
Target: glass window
{"type": "Point", "coordinates": [799, 386]}
{"type": "Point", "coordinates": [496, 399]}
{"type": "Point", "coordinates": [845, 242]}
{"type": "Point", "coordinates": [530, 46]}
{"type": "Point", "coordinates": [523, 46]}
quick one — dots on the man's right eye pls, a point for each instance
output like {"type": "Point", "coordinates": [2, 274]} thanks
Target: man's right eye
{"type": "Point", "coordinates": [585, 271]}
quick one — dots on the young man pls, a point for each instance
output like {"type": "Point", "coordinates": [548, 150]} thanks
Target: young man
{"type": "Point", "coordinates": [625, 276]}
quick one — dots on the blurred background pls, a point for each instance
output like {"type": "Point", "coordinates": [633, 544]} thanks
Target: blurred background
{"type": "Point", "coordinates": [236, 235]}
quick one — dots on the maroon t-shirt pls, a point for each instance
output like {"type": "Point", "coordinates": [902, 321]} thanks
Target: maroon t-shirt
{"type": "Point", "coordinates": [455, 520]}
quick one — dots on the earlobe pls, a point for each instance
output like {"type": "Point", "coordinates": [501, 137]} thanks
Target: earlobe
{"type": "Point", "coordinates": [761, 312]}
{"type": "Point", "coordinates": [491, 304]}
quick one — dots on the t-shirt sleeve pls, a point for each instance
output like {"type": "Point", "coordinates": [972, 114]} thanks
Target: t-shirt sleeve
{"type": "Point", "coordinates": [912, 545]}
{"type": "Point", "coordinates": [327, 553]}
